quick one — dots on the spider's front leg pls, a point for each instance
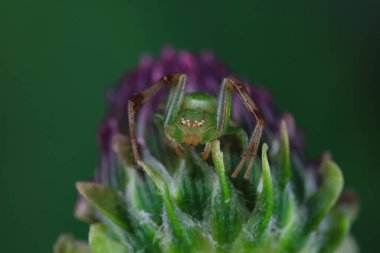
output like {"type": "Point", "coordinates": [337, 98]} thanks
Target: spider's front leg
{"type": "Point", "coordinates": [228, 86]}
{"type": "Point", "coordinates": [139, 99]}
{"type": "Point", "coordinates": [173, 106]}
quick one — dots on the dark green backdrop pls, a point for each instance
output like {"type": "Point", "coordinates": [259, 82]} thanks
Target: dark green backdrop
{"type": "Point", "coordinates": [58, 58]}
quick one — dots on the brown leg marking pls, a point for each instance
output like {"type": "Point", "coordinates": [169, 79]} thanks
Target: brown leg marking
{"type": "Point", "coordinates": [206, 152]}
{"type": "Point", "coordinates": [138, 100]}
{"type": "Point", "coordinates": [250, 151]}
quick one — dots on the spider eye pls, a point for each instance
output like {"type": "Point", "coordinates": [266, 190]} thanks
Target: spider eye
{"type": "Point", "coordinates": [200, 123]}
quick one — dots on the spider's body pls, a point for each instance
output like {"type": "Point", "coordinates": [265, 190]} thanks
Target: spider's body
{"type": "Point", "coordinates": [195, 122]}
{"type": "Point", "coordinates": [198, 118]}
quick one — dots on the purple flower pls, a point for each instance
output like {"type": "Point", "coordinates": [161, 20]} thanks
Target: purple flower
{"type": "Point", "coordinates": [285, 193]}
{"type": "Point", "coordinates": [205, 73]}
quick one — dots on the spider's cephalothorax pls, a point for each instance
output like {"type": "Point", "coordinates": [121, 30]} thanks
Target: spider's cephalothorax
{"type": "Point", "coordinates": [198, 118]}
{"type": "Point", "coordinates": [195, 123]}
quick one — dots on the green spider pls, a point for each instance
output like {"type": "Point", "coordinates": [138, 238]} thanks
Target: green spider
{"type": "Point", "coordinates": [199, 118]}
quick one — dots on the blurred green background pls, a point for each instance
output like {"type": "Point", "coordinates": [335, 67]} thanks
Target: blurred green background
{"type": "Point", "coordinates": [319, 59]}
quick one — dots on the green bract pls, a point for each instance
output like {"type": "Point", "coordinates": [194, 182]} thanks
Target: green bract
{"type": "Point", "coordinates": [198, 208]}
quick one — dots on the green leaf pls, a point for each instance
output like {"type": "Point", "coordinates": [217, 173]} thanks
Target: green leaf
{"type": "Point", "coordinates": [101, 243]}
{"type": "Point", "coordinates": [67, 244]}
{"type": "Point", "coordinates": [260, 218]}
{"type": "Point", "coordinates": [107, 202]}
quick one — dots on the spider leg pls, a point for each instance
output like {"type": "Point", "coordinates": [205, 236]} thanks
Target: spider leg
{"type": "Point", "coordinates": [174, 144]}
{"type": "Point", "coordinates": [224, 106]}
{"type": "Point", "coordinates": [139, 99]}
{"type": "Point", "coordinates": [173, 105]}
{"type": "Point", "coordinates": [224, 109]}
{"type": "Point", "coordinates": [175, 100]}
{"type": "Point", "coordinates": [206, 152]}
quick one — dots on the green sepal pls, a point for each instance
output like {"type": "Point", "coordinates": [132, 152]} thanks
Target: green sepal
{"type": "Point", "coordinates": [226, 218]}
{"type": "Point", "coordinates": [226, 209]}
{"type": "Point", "coordinates": [318, 205]}
{"type": "Point", "coordinates": [107, 202]}
{"type": "Point", "coordinates": [338, 222]}
{"type": "Point", "coordinates": [325, 197]}
{"type": "Point", "coordinates": [195, 237]}
{"type": "Point", "coordinates": [162, 149]}
{"type": "Point", "coordinates": [162, 180]}
{"type": "Point", "coordinates": [299, 180]}
{"type": "Point", "coordinates": [199, 240]}
{"type": "Point", "coordinates": [179, 230]}
{"type": "Point", "coordinates": [284, 205]}
{"type": "Point", "coordinates": [232, 147]}
{"type": "Point", "coordinates": [285, 209]}
{"type": "Point", "coordinates": [261, 215]}
{"type": "Point", "coordinates": [193, 186]}
{"type": "Point", "coordinates": [217, 157]}
{"type": "Point", "coordinates": [284, 172]}
{"type": "Point", "coordinates": [101, 243]}
{"type": "Point", "coordinates": [349, 245]}
{"type": "Point", "coordinates": [338, 226]}
{"type": "Point", "coordinates": [144, 196]}
{"type": "Point", "coordinates": [67, 244]}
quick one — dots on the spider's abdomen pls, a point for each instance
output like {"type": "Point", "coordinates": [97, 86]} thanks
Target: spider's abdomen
{"type": "Point", "coordinates": [200, 101]}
